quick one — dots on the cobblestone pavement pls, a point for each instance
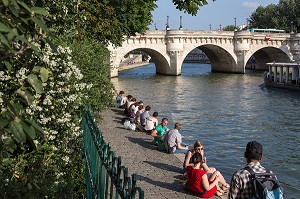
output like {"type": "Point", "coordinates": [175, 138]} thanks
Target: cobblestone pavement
{"type": "Point", "coordinates": [158, 173]}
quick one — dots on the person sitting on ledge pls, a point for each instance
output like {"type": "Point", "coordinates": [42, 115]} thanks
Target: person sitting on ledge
{"type": "Point", "coordinates": [198, 148]}
{"type": "Point", "coordinates": [120, 99]}
{"type": "Point", "coordinates": [198, 181]}
{"type": "Point", "coordinates": [174, 141]}
{"type": "Point", "coordinates": [151, 123]}
{"type": "Point", "coordinates": [161, 128]}
{"type": "Point", "coordinates": [145, 115]}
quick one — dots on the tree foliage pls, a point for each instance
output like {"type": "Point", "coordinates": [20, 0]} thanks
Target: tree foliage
{"type": "Point", "coordinates": [189, 6]}
{"type": "Point", "coordinates": [22, 31]}
{"type": "Point", "coordinates": [229, 28]}
{"type": "Point", "coordinates": [93, 59]}
{"type": "Point", "coordinates": [284, 15]}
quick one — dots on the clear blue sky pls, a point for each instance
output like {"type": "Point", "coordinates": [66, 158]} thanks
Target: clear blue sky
{"type": "Point", "coordinates": [215, 13]}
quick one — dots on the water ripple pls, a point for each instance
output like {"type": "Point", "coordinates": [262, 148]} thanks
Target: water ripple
{"type": "Point", "coordinates": [225, 111]}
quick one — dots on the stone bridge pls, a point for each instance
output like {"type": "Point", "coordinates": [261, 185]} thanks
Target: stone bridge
{"type": "Point", "coordinates": [227, 51]}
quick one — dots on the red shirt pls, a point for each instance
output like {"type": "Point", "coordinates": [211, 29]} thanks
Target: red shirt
{"type": "Point", "coordinates": [195, 182]}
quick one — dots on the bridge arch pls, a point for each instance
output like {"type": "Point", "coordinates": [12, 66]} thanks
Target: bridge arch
{"type": "Point", "coordinates": [160, 60]}
{"type": "Point", "coordinates": [268, 54]}
{"type": "Point", "coordinates": [221, 60]}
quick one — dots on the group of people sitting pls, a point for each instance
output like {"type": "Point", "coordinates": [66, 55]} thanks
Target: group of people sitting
{"type": "Point", "coordinates": [137, 113]}
{"type": "Point", "coordinates": [201, 180]}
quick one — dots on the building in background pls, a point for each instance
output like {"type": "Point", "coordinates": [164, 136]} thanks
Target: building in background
{"type": "Point", "coordinates": [196, 56]}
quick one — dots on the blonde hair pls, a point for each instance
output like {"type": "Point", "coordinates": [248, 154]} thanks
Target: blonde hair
{"type": "Point", "coordinates": [196, 145]}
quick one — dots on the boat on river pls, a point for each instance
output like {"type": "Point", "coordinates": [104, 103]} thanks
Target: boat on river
{"type": "Point", "coordinates": [283, 75]}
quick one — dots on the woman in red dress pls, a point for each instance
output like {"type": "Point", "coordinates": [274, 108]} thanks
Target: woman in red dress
{"type": "Point", "coordinates": [198, 181]}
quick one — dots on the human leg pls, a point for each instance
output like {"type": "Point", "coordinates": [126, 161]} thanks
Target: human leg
{"type": "Point", "coordinates": [222, 180]}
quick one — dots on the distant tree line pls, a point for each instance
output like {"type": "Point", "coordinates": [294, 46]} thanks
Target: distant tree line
{"type": "Point", "coordinates": [285, 15]}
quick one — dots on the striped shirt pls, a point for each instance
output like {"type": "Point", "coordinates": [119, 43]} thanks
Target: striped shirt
{"type": "Point", "coordinates": [240, 186]}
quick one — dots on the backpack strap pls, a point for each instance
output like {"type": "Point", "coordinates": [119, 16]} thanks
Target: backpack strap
{"type": "Point", "coordinates": [250, 170]}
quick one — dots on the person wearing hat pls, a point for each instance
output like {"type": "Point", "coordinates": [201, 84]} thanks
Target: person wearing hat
{"type": "Point", "coordinates": [240, 186]}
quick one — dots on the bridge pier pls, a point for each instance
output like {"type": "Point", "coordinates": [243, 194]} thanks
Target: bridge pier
{"type": "Point", "coordinates": [174, 67]}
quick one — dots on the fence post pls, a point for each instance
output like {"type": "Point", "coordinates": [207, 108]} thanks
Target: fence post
{"type": "Point", "coordinates": [102, 166]}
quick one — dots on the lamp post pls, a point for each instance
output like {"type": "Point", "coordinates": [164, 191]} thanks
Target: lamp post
{"type": "Point", "coordinates": [167, 25]}
{"type": "Point", "coordinates": [220, 27]}
{"type": "Point", "coordinates": [209, 26]}
{"type": "Point", "coordinates": [247, 23]}
{"type": "Point", "coordinates": [155, 26]}
{"type": "Point", "coordinates": [234, 22]}
{"type": "Point", "coordinates": [180, 27]}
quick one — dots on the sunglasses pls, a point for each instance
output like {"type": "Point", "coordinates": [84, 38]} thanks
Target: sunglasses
{"type": "Point", "coordinates": [199, 148]}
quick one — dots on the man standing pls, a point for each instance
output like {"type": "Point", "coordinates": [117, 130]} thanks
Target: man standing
{"type": "Point", "coordinates": [240, 186]}
{"type": "Point", "coordinates": [173, 138]}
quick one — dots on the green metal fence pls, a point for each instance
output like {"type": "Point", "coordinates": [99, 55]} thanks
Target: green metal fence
{"type": "Point", "coordinates": [105, 176]}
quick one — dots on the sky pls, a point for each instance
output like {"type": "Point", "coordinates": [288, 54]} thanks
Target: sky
{"type": "Point", "coordinates": [215, 13]}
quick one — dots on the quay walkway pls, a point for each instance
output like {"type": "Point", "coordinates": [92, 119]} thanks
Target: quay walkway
{"type": "Point", "coordinates": [158, 173]}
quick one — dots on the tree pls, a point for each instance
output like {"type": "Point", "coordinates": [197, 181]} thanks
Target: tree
{"type": "Point", "coordinates": [285, 15]}
{"type": "Point", "coordinates": [229, 28]}
{"type": "Point", "coordinates": [189, 6]}
{"type": "Point", "coordinates": [40, 101]}
{"type": "Point", "coordinates": [82, 18]}
{"type": "Point", "coordinates": [22, 33]}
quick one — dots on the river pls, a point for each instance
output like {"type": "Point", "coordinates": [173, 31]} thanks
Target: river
{"type": "Point", "coordinates": [225, 111]}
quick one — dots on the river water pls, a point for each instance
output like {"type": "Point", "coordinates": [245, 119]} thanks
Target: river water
{"type": "Point", "coordinates": [225, 111]}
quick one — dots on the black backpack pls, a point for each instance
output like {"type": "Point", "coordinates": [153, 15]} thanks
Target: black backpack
{"type": "Point", "coordinates": [265, 185]}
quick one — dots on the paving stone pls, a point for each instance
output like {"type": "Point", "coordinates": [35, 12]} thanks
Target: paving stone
{"type": "Point", "coordinates": [158, 173]}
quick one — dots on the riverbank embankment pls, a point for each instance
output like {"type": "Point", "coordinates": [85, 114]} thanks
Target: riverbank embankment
{"type": "Point", "coordinates": [158, 173]}
{"type": "Point", "coordinates": [133, 65]}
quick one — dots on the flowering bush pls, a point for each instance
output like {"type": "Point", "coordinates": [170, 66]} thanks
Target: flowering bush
{"type": "Point", "coordinates": [56, 106]}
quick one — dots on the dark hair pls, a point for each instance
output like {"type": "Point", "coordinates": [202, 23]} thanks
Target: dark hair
{"type": "Point", "coordinates": [148, 108]}
{"type": "Point", "coordinates": [121, 92]}
{"type": "Point", "coordinates": [141, 107]}
{"type": "Point", "coordinates": [155, 114]}
{"type": "Point", "coordinates": [196, 158]}
{"type": "Point", "coordinates": [253, 151]}
{"type": "Point", "coordinates": [164, 119]}
{"type": "Point", "coordinates": [129, 97]}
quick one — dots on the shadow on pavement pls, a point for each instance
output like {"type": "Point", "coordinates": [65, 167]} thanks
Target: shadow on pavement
{"type": "Point", "coordinates": [146, 143]}
{"type": "Point", "coordinates": [174, 186]}
{"type": "Point", "coordinates": [166, 167]}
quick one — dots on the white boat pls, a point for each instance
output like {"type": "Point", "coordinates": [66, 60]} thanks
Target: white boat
{"type": "Point", "coordinates": [283, 75]}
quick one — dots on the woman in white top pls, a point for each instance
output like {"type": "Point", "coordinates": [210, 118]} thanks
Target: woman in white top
{"type": "Point", "coordinates": [151, 122]}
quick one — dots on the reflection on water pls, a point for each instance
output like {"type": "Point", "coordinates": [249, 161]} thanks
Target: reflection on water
{"type": "Point", "coordinates": [225, 111]}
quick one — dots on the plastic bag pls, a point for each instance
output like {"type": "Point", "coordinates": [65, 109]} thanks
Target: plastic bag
{"type": "Point", "coordinates": [129, 125]}
{"type": "Point", "coordinates": [132, 126]}
{"type": "Point", "coordinates": [126, 124]}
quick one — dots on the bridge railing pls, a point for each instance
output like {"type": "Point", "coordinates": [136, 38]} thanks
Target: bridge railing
{"type": "Point", "coordinates": [105, 176]}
